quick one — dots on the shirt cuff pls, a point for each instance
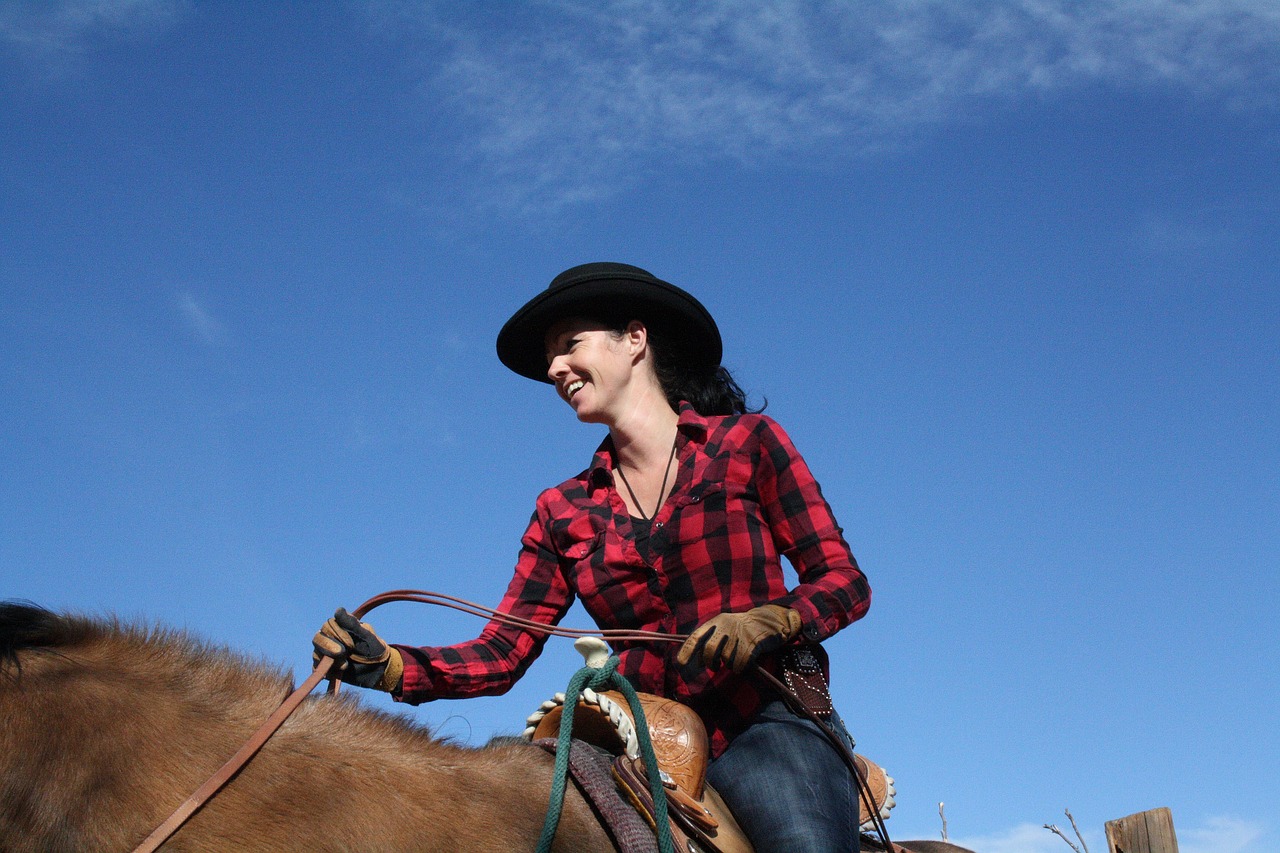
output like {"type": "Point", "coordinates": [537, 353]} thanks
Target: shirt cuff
{"type": "Point", "coordinates": [415, 685]}
{"type": "Point", "coordinates": [812, 627]}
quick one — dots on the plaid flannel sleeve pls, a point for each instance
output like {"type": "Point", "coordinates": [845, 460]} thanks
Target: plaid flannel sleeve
{"type": "Point", "coordinates": [491, 663]}
{"type": "Point", "coordinates": [833, 591]}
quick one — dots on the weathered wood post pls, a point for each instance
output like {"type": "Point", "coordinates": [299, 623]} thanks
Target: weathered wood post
{"type": "Point", "coordinates": [1144, 832]}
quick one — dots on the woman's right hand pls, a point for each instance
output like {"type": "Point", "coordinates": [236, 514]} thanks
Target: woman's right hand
{"type": "Point", "coordinates": [741, 639]}
{"type": "Point", "coordinates": [360, 657]}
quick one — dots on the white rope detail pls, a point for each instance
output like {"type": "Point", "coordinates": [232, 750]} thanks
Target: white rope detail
{"type": "Point", "coordinates": [614, 711]}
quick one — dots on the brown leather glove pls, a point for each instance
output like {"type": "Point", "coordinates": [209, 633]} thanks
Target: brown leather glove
{"type": "Point", "coordinates": [740, 639]}
{"type": "Point", "coordinates": [360, 656]}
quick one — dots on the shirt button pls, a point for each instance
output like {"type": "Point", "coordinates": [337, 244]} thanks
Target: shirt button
{"type": "Point", "coordinates": [695, 499]}
{"type": "Point", "coordinates": [658, 525]}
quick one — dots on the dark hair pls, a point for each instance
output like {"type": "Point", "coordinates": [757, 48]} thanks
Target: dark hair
{"type": "Point", "coordinates": [711, 390]}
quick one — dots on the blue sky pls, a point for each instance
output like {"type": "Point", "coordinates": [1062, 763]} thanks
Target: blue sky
{"type": "Point", "coordinates": [1007, 272]}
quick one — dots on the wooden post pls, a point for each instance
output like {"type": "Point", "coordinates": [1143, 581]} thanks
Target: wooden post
{"type": "Point", "coordinates": [1144, 832]}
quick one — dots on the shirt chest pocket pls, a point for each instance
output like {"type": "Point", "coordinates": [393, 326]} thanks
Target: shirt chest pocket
{"type": "Point", "coordinates": [716, 509]}
{"type": "Point", "coordinates": [701, 513]}
{"type": "Point", "coordinates": [578, 537]}
{"type": "Point", "coordinates": [606, 580]}
{"type": "Point", "coordinates": [577, 551]}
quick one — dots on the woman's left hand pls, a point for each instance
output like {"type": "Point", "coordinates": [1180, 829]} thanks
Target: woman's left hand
{"type": "Point", "coordinates": [740, 639]}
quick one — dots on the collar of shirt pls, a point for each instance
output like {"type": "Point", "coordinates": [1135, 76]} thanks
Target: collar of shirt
{"type": "Point", "coordinates": [691, 425]}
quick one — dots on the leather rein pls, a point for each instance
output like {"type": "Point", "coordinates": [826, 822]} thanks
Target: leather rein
{"type": "Point", "coordinates": [258, 739]}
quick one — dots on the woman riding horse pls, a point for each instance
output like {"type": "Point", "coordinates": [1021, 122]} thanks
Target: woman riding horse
{"type": "Point", "coordinates": [678, 525]}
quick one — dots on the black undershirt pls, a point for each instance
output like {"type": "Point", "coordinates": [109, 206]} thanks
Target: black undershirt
{"type": "Point", "coordinates": [640, 530]}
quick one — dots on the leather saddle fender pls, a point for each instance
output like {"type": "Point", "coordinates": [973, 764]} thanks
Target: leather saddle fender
{"type": "Point", "coordinates": [681, 747]}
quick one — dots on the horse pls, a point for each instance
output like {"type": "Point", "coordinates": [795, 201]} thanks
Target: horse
{"type": "Point", "coordinates": [106, 727]}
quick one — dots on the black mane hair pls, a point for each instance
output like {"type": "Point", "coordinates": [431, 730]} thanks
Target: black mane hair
{"type": "Point", "coordinates": [24, 626]}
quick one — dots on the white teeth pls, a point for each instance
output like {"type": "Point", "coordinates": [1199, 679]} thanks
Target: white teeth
{"type": "Point", "coordinates": [573, 387]}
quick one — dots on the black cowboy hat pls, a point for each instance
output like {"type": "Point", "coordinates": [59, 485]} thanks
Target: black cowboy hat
{"type": "Point", "coordinates": [607, 290]}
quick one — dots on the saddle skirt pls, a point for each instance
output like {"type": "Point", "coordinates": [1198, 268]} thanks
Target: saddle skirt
{"type": "Point", "coordinates": [700, 818]}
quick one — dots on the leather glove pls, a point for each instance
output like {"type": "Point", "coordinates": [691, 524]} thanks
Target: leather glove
{"type": "Point", "coordinates": [740, 639]}
{"type": "Point", "coordinates": [360, 656]}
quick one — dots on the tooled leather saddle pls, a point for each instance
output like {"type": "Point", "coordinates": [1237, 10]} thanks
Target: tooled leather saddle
{"type": "Point", "coordinates": [700, 820]}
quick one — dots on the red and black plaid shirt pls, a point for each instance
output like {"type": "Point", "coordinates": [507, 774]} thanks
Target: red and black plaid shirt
{"type": "Point", "coordinates": [743, 498]}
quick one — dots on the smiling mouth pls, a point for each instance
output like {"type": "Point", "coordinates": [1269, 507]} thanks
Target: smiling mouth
{"type": "Point", "coordinates": [573, 388]}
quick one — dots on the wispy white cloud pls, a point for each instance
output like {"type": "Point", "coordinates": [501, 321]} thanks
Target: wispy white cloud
{"type": "Point", "coordinates": [1170, 236]}
{"type": "Point", "coordinates": [572, 96]}
{"type": "Point", "coordinates": [1216, 835]}
{"type": "Point", "coordinates": [1024, 838]}
{"type": "Point", "coordinates": [200, 320]}
{"type": "Point", "coordinates": [1224, 835]}
{"type": "Point", "coordinates": [53, 32]}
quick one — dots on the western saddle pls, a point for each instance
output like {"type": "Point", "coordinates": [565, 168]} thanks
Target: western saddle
{"type": "Point", "coordinates": [699, 818]}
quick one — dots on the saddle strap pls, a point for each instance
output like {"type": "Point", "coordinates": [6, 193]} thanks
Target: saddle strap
{"type": "Point", "coordinates": [705, 826]}
{"type": "Point", "coordinates": [634, 785]}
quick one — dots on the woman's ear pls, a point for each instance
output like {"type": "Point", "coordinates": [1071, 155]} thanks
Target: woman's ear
{"type": "Point", "coordinates": [637, 337]}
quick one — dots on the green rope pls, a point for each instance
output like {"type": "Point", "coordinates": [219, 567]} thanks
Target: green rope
{"type": "Point", "coordinates": [599, 679]}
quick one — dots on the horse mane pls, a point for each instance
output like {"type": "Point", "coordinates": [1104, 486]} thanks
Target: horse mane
{"type": "Point", "coordinates": [225, 683]}
{"type": "Point", "coordinates": [36, 631]}
{"type": "Point", "coordinates": [25, 626]}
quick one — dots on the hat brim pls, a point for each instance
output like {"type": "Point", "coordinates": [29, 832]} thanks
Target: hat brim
{"type": "Point", "coordinates": [522, 340]}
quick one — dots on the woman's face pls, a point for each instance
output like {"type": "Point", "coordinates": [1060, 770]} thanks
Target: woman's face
{"type": "Point", "coordinates": [592, 366]}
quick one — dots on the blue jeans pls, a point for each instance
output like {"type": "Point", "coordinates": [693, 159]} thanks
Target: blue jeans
{"type": "Point", "coordinates": [787, 787]}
